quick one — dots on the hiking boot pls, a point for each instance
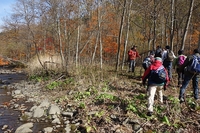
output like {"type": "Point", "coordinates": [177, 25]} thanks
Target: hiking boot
{"type": "Point", "coordinates": [182, 100]}
{"type": "Point", "coordinates": [149, 113]}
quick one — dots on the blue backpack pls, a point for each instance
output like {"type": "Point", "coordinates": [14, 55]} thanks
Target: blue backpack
{"type": "Point", "coordinates": [159, 76]}
{"type": "Point", "coordinates": [195, 66]}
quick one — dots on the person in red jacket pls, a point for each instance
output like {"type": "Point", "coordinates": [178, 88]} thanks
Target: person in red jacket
{"type": "Point", "coordinates": [153, 84]}
{"type": "Point", "coordinates": [132, 55]}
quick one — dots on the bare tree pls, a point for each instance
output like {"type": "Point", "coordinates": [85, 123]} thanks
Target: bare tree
{"type": "Point", "coordinates": [127, 32]}
{"type": "Point", "coordinates": [187, 24]}
{"type": "Point", "coordinates": [77, 44]}
{"type": "Point", "coordinates": [172, 24]}
{"type": "Point", "coordinates": [120, 34]}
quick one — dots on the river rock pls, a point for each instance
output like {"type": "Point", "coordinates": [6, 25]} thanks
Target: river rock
{"type": "Point", "coordinates": [68, 114]}
{"type": "Point", "coordinates": [38, 112]}
{"type": "Point", "coordinates": [53, 109]}
{"type": "Point", "coordinates": [45, 104]}
{"type": "Point", "coordinates": [28, 114]}
{"type": "Point", "coordinates": [17, 92]}
{"type": "Point", "coordinates": [33, 108]}
{"type": "Point", "coordinates": [4, 127]}
{"type": "Point", "coordinates": [56, 121]}
{"type": "Point", "coordinates": [48, 130]}
{"type": "Point", "coordinates": [25, 128]}
{"type": "Point", "coordinates": [68, 128]}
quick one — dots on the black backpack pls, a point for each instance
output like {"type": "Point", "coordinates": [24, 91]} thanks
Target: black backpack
{"type": "Point", "coordinates": [159, 75]}
{"type": "Point", "coordinates": [158, 52]}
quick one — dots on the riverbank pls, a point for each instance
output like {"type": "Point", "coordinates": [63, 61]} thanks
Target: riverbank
{"type": "Point", "coordinates": [73, 108]}
{"type": "Point", "coordinates": [19, 100]}
{"type": "Point", "coordinates": [91, 101]}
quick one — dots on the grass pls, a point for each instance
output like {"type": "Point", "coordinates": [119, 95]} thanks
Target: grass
{"type": "Point", "coordinates": [120, 94]}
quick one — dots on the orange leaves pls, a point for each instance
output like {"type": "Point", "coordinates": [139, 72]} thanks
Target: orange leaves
{"type": "Point", "coordinates": [195, 37]}
{"type": "Point", "coordinates": [111, 48]}
{"type": "Point", "coordinates": [3, 61]}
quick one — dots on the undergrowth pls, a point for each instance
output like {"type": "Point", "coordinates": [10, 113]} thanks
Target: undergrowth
{"type": "Point", "coordinates": [118, 97]}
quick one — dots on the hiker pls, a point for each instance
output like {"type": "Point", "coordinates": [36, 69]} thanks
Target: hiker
{"type": "Point", "coordinates": [177, 64]}
{"type": "Point", "coordinates": [148, 60]}
{"type": "Point", "coordinates": [132, 55]}
{"type": "Point", "coordinates": [168, 57]}
{"type": "Point", "coordinates": [156, 82]}
{"type": "Point", "coordinates": [158, 51]}
{"type": "Point", "coordinates": [191, 73]}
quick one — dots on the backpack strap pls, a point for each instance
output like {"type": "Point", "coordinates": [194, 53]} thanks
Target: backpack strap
{"type": "Point", "coordinates": [161, 67]}
{"type": "Point", "coordinates": [194, 57]}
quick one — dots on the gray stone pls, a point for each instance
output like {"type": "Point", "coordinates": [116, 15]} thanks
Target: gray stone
{"type": "Point", "coordinates": [45, 103]}
{"type": "Point", "coordinates": [4, 127]}
{"type": "Point", "coordinates": [25, 128]}
{"type": "Point", "coordinates": [56, 121]}
{"type": "Point", "coordinates": [16, 92]}
{"type": "Point", "coordinates": [69, 114]}
{"type": "Point", "coordinates": [28, 114]}
{"type": "Point", "coordinates": [68, 129]}
{"type": "Point", "coordinates": [48, 129]}
{"type": "Point", "coordinates": [38, 112]}
{"type": "Point", "coordinates": [54, 109]}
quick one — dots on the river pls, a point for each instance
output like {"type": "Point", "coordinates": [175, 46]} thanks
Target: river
{"type": "Point", "coordinates": [10, 116]}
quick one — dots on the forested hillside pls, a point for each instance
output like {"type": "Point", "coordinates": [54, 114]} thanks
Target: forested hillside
{"type": "Point", "coordinates": [94, 31]}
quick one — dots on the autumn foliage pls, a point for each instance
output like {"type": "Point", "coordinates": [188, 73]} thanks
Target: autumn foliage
{"type": "Point", "coordinates": [91, 30]}
{"type": "Point", "coordinates": [3, 61]}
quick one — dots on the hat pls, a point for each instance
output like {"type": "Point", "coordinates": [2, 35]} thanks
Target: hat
{"type": "Point", "coordinates": [158, 59]}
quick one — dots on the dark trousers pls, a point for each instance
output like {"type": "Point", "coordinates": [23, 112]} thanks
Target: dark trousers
{"type": "Point", "coordinates": [168, 66]}
{"type": "Point", "coordinates": [132, 65]}
{"type": "Point", "coordinates": [180, 76]}
{"type": "Point", "coordinates": [195, 81]}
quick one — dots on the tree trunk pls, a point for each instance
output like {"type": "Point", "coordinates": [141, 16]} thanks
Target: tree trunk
{"type": "Point", "coordinates": [187, 24]}
{"type": "Point", "coordinates": [120, 35]}
{"type": "Point", "coordinates": [77, 45]}
{"type": "Point", "coordinates": [154, 24]}
{"type": "Point", "coordinates": [172, 24]}
{"type": "Point", "coordinates": [95, 48]}
{"type": "Point", "coordinates": [60, 43]}
{"type": "Point", "coordinates": [127, 34]}
{"type": "Point", "coordinates": [78, 37]}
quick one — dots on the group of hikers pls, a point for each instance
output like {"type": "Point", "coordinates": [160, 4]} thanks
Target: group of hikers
{"type": "Point", "coordinates": [158, 67]}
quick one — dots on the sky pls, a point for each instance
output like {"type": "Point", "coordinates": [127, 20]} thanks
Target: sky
{"type": "Point", "coordinates": [5, 9]}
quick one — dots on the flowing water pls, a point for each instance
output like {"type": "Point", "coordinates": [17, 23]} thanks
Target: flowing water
{"type": "Point", "coordinates": [8, 116]}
